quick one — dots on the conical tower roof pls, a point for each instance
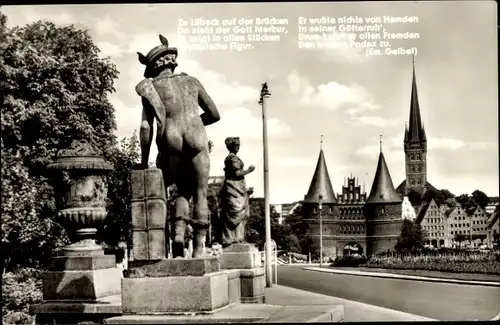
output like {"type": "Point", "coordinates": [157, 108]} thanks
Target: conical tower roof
{"type": "Point", "coordinates": [320, 184]}
{"type": "Point", "coordinates": [415, 131]}
{"type": "Point", "coordinates": [383, 190]}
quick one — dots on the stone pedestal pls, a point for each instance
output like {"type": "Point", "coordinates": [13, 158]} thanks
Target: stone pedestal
{"type": "Point", "coordinates": [175, 286]}
{"type": "Point", "coordinates": [240, 256]}
{"type": "Point", "coordinates": [80, 288]}
{"type": "Point", "coordinates": [234, 286]}
{"type": "Point", "coordinates": [82, 278]}
{"type": "Point", "coordinates": [247, 259]}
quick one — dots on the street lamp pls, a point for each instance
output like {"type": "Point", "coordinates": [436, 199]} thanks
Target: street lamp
{"type": "Point", "coordinates": [264, 94]}
{"type": "Point", "coordinates": [320, 206]}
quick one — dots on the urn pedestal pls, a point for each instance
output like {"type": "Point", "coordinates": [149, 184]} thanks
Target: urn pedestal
{"type": "Point", "coordinates": [83, 277]}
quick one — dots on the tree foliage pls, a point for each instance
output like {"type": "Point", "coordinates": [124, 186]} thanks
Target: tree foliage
{"type": "Point", "coordinates": [256, 228]}
{"type": "Point", "coordinates": [54, 90]}
{"type": "Point", "coordinates": [411, 238]}
{"type": "Point", "coordinates": [414, 197]}
{"type": "Point", "coordinates": [459, 238]}
{"type": "Point", "coordinates": [29, 233]}
{"type": "Point", "coordinates": [480, 198]}
{"type": "Point", "coordinates": [465, 201]}
{"type": "Point", "coordinates": [118, 221]}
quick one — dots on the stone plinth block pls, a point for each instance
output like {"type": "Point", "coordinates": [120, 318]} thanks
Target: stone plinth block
{"type": "Point", "coordinates": [240, 256]}
{"type": "Point", "coordinates": [82, 263]}
{"type": "Point", "coordinates": [176, 267]}
{"type": "Point", "coordinates": [253, 284]}
{"type": "Point", "coordinates": [149, 214]}
{"type": "Point", "coordinates": [75, 312]}
{"type": "Point", "coordinates": [175, 294]}
{"type": "Point", "coordinates": [234, 286]}
{"type": "Point", "coordinates": [147, 183]}
{"type": "Point", "coordinates": [241, 248]}
{"type": "Point", "coordinates": [149, 244]}
{"type": "Point", "coordinates": [81, 284]}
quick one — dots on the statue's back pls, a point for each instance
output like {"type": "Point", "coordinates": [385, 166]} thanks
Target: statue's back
{"type": "Point", "coordinates": [179, 94]}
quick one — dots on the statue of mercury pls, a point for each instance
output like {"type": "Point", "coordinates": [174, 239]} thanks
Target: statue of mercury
{"type": "Point", "coordinates": [183, 149]}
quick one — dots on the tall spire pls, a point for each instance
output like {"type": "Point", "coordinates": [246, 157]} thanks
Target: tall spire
{"type": "Point", "coordinates": [382, 188]}
{"type": "Point", "coordinates": [416, 131]}
{"type": "Point", "coordinates": [381, 143]}
{"type": "Point", "coordinates": [320, 184]}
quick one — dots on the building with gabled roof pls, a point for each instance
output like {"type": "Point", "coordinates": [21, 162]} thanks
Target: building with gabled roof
{"type": "Point", "coordinates": [408, 211]}
{"type": "Point", "coordinates": [493, 230]}
{"type": "Point", "coordinates": [478, 218]}
{"type": "Point", "coordinates": [433, 223]}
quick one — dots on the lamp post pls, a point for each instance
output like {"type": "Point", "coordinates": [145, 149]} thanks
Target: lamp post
{"type": "Point", "coordinates": [264, 94]}
{"type": "Point", "coordinates": [320, 206]}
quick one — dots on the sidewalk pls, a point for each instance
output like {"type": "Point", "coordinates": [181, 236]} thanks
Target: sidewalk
{"type": "Point", "coordinates": [353, 311]}
{"type": "Point", "coordinates": [385, 274]}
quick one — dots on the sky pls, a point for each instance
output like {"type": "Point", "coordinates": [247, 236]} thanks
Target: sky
{"type": "Point", "coordinates": [339, 92]}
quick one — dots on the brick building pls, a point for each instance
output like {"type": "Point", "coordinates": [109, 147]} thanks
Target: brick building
{"type": "Point", "coordinates": [415, 148]}
{"type": "Point", "coordinates": [321, 185]}
{"type": "Point", "coordinates": [433, 222]}
{"type": "Point", "coordinates": [493, 229]}
{"type": "Point", "coordinates": [351, 221]}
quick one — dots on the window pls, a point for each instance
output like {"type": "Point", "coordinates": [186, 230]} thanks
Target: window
{"type": "Point", "coordinates": [418, 156]}
{"type": "Point", "coordinates": [411, 157]}
{"type": "Point", "coordinates": [412, 181]}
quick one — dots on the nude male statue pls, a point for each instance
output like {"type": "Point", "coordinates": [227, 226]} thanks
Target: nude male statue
{"type": "Point", "coordinates": [173, 100]}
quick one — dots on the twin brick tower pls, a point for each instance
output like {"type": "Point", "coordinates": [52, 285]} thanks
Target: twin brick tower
{"type": "Point", "coordinates": [368, 225]}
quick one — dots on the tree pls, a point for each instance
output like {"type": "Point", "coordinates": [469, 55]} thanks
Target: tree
{"type": "Point", "coordinates": [447, 194]}
{"type": "Point", "coordinates": [459, 238]}
{"type": "Point", "coordinates": [414, 197]}
{"type": "Point", "coordinates": [465, 201]}
{"type": "Point", "coordinates": [411, 237]}
{"type": "Point", "coordinates": [431, 194]}
{"type": "Point", "coordinates": [118, 221]}
{"type": "Point", "coordinates": [256, 226]}
{"type": "Point", "coordinates": [28, 237]}
{"type": "Point", "coordinates": [54, 89]}
{"type": "Point", "coordinates": [480, 198]}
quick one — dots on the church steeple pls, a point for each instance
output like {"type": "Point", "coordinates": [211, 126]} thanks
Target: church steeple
{"type": "Point", "coordinates": [320, 183]}
{"type": "Point", "coordinates": [383, 190]}
{"type": "Point", "coordinates": [415, 145]}
{"type": "Point", "coordinates": [416, 130]}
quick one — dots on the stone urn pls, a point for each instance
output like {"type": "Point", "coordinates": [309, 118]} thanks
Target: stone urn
{"type": "Point", "coordinates": [79, 175]}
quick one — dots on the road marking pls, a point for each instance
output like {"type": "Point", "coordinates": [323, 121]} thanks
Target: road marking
{"type": "Point", "coordinates": [405, 277]}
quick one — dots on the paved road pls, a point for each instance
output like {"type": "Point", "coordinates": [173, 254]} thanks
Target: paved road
{"type": "Point", "coordinates": [441, 301]}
